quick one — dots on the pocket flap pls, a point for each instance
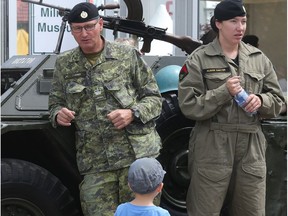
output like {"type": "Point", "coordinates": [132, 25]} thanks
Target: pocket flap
{"type": "Point", "coordinates": [112, 86]}
{"type": "Point", "coordinates": [258, 170]}
{"type": "Point", "coordinates": [73, 87]}
{"type": "Point", "coordinates": [215, 173]}
{"type": "Point", "coordinates": [255, 76]}
{"type": "Point", "coordinates": [118, 90]}
{"type": "Point", "coordinates": [217, 76]}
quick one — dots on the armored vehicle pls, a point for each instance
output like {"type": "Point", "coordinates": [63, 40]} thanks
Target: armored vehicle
{"type": "Point", "coordinates": [39, 175]}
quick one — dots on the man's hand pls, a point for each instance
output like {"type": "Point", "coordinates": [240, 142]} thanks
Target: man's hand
{"type": "Point", "coordinates": [120, 117]}
{"type": "Point", "coordinates": [233, 85]}
{"type": "Point", "coordinates": [65, 116]}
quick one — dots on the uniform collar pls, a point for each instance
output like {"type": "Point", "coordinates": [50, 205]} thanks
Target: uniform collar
{"type": "Point", "coordinates": [248, 49]}
{"type": "Point", "coordinates": [106, 54]}
{"type": "Point", "coordinates": [214, 49]}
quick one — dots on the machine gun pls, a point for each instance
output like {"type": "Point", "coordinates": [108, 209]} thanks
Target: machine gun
{"type": "Point", "coordinates": [148, 33]}
{"type": "Point", "coordinates": [134, 27]}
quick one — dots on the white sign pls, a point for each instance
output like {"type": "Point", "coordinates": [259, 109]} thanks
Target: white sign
{"type": "Point", "coordinates": [45, 27]}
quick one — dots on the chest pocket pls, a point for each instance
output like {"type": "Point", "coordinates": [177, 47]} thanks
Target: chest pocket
{"type": "Point", "coordinates": [254, 82]}
{"type": "Point", "coordinates": [119, 92]}
{"type": "Point", "coordinates": [215, 79]}
{"type": "Point", "coordinates": [75, 93]}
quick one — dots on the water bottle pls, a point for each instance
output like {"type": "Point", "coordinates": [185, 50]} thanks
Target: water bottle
{"type": "Point", "coordinates": [241, 98]}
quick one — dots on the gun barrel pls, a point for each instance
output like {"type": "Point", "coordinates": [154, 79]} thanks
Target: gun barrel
{"type": "Point", "coordinates": [108, 6]}
{"type": "Point", "coordinates": [148, 33]}
{"type": "Point", "coordinates": [186, 43]}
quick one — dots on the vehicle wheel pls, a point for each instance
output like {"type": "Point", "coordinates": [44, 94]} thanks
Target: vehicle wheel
{"type": "Point", "coordinates": [27, 189]}
{"type": "Point", "coordinates": [174, 130]}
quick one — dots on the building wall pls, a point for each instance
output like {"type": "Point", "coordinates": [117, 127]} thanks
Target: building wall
{"type": "Point", "coordinates": [269, 22]}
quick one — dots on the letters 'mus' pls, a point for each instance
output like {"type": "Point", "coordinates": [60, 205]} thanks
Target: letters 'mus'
{"type": "Point", "coordinates": [44, 27]}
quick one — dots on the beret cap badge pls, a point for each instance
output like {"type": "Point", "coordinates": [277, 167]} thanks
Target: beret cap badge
{"type": "Point", "coordinates": [84, 14]}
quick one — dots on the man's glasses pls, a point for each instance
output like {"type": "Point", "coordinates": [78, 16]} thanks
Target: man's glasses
{"type": "Point", "coordinates": [79, 29]}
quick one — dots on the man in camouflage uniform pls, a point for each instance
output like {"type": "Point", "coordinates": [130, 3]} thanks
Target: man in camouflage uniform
{"type": "Point", "coordinates": [111, 95]}
{"type": "Point", "coordinates": [227, 145]}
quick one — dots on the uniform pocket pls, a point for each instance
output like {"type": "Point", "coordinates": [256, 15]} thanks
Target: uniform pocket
{"type": "Point", "coordinates": [74, 94]}
{"type": "Point", "coordinates": [253, 82]}
{"type": "Point", "coordinates": [144, 139]}
{"type": "Point", "coordinates": [119, 92]}
{"type": "Point", "coordinates": [210, 187]}
{"type": "Point", "coordinates": [136, 128]}
{"type": "Point", "coordinates": [214, 80]}
{"type": "Point", "coordinates": [258, 170]}
{"type": "Point", "coordinates": [215, 173]}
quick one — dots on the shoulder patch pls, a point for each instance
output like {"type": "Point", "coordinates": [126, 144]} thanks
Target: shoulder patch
{"type": "Point", "coordinates": [183, 72]}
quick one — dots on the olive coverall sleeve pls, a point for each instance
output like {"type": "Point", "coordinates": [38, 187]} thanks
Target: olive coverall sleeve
{"type": "Point", "coordinates": [194, 100]}
{"type": "Point", "coordinates": [271, 95]}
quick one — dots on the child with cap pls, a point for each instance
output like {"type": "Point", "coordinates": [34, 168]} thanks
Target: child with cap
{"type": "Point", "coordinates": [145, 178]}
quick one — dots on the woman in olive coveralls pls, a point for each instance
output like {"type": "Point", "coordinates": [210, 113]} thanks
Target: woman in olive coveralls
{"type": "Point", "coordinates": [227, 146]}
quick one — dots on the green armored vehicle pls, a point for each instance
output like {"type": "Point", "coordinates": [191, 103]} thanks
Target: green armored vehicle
{"type": "Point", "coordinates": [39, 175]}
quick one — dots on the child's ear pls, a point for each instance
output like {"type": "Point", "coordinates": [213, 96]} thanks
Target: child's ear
{"type": "Point", "coordinates": [160, 187]}
{"type": "Point", "coordinates": [129, 186]}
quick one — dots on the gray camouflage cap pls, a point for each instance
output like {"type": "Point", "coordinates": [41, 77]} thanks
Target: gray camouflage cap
{"type": "Point", "coordinates": [145, 175]}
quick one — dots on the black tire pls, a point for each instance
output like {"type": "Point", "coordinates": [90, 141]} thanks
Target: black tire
{"type": "Point", "coordinates": [174, 130]}
{"type": "Point", "coordinates": [171, 118]}
{"type": "Point", "coordinates": [27, 189]}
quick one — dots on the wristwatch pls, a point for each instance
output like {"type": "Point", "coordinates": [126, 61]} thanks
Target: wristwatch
{"type": "Point", "coordinates": [136, 114]}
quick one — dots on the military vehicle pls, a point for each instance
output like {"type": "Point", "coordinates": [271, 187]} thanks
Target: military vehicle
{"type": "Point", "coordinates": [39, 175]}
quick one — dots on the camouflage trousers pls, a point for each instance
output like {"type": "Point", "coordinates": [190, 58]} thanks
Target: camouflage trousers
{"type": "Point", "coordinates": [101, 193]}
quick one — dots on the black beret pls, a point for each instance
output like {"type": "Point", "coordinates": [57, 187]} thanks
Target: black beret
{"type": "Point", "coordinates": [83, 12]}
{"type": "Point", "coordinates": [228, 9]}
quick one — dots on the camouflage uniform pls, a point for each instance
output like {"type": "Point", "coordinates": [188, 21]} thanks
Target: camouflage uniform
{"type": "Point", "coordinates": [119, 79]}
{"type": "Point", "coordinates": [227, 146]}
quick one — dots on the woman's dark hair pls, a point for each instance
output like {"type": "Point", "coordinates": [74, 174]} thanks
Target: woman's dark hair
{"type": "Point", "coordinates": [208, 36]}
{"type": "Point", "coordinates": [213, 25]}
